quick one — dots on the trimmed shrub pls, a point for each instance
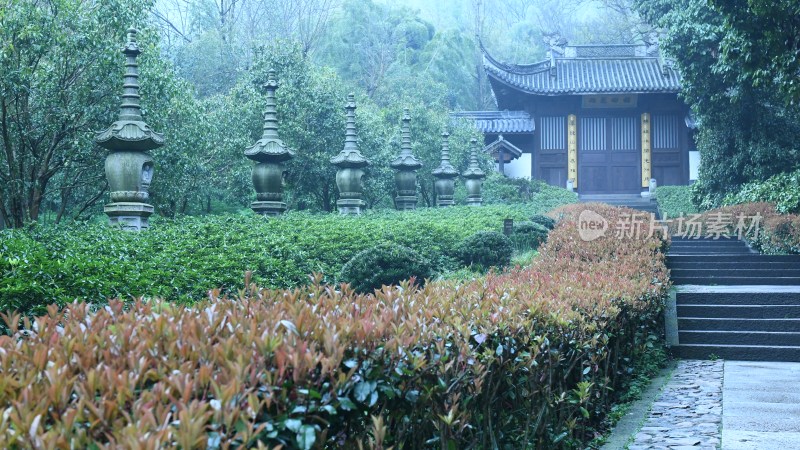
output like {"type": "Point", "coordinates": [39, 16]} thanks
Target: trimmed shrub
{"type": "Point", "coordinates": [529, 235]}
{"type": "Point", "coordinates": [384, 265]}
{"type": "Point", "coordinates": [675, 201]}
{"type": "Point", "coordinates": [547, 222]}
{"type": "Point", "coordinates": [317, 367]}
{"type": "Point", "coordinates": [486, 249]}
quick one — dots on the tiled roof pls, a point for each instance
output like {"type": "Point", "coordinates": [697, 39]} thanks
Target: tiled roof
{"type": "Point", "coordinates": [499, 121]}
{"type": "Point", "coordinates": [510, 149]}
{"type": "Point", "coordinates": [589, 70]}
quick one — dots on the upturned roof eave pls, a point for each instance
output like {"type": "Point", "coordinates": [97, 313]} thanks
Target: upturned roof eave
{"type": "Point", "coordinates": [555, 93]}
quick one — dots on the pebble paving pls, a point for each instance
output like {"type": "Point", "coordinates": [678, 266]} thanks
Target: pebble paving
{"type": "Point", "coordinates": [688, 413]}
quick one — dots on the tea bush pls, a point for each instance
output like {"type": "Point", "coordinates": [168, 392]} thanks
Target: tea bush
{"type": "Point", "coordinates": [529, 358]}
{"type": "Point", "coordinates": [182, 259]}
{"type": "Point", "coordinates": [486, 249]}
{"type": "Point", "coordinates": [385, 264]}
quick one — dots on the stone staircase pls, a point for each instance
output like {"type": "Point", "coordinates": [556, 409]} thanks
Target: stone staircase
{"type": "Point", "coordinates": [733, 303]}
{"type": "Point", "coordinates": [629, 201]}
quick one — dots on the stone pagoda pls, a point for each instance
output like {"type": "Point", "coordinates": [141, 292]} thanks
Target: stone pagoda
{"type": "Point", "coordinates": [129, 168]}
{"type": "Point", "coordinates": [445, 175]}
{"type": "Point", "coordinates": [474, 176]}
{"type": "Point", "coordinates": [269, 153]}
{"type": "Point", "coordinates": [406, 165]}
{"type": "Point", "coordinates": [351, 164]}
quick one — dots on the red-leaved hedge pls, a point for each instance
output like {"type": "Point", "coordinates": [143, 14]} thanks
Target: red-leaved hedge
{"type": "Point", "coordinates": [529, 358]}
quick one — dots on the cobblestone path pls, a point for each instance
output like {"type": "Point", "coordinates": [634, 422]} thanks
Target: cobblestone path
{"type": "Point", "coordinates": [688, 413]}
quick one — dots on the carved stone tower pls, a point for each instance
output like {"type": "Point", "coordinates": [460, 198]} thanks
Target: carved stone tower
{"type": "Point", "coordinates": [269, 153]}
{"type": "Point", "coordinates": [129, 168]}
{"type": "Point", "coordinates": [406, 165]}
{"type": "Point", "coordinates": [351, 164]}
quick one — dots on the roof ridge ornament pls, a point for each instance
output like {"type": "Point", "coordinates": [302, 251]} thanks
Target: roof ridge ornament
{"type": "Point", "coordinates": [556, 48]}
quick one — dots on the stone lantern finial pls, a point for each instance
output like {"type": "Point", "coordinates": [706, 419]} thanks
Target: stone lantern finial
{"type": "Point", "coordinates": [445, 175]}
{"type": "Point", "coordinates": [474, 176]}
{"type": "Point", "coordinates": [406, 165]}
{"type": "Point", "coordinates": [351, 164]}
{"type": "Point", "coordinates": [269, 153]}
{"type": "Point", "coordinates": [129, 168]}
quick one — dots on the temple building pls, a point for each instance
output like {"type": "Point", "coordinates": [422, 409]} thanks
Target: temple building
{"type": "Point", "coordinates": [603, 119]}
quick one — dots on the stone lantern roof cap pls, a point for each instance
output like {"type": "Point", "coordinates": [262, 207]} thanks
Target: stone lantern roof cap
{"type": "Point", "coordinates": [445, 169]}
{"type": "Point", "coordinates": [270, 148]}
{"type": "Point", "coordinates": [130, 132]}
{"type": "Point", "coordinates": [473, 170]}
{"type": "Point", "coordinates": [350, 157]}
{"type": "Point", "coordinates": [406, 160]}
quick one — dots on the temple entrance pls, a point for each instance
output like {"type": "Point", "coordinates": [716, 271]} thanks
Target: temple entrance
{"type": "Point", "coordinates": [609, 155]}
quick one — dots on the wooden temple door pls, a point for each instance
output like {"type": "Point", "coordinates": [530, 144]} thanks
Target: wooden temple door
{"type": "Point", "coordinates": [609, 155]}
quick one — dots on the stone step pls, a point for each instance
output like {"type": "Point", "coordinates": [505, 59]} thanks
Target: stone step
{"type": "Point", "coordinates": [709, 251]}
{"type": "Point", "coordinates": [737, 298]}
{"type": "Point", "coordinates": [739, 337]}
{"type": "Point", "coordinates": [678, 238]}
{"type": "Point", "coordinates": [738, 352]}
{"type": "Point", "coordinates": [717, 324]}
{"type": "Point", "coordinates": [752, 257]}
{"type": "Point", "coordinates": [731, 265]}
{"type": "Point", "coordinates": [736, 281]}
{"type": "Point", "coordinates": [742, 271]}
{"type": "Point", "coordinates": [709, 242]}
{"type": "Point", "coordinates": [740, 311]}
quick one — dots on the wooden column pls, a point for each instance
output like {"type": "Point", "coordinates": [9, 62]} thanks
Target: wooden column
{"type": "Point", "coordinates": [572, 149]}
{"type": "Point", "coordinates": [646, 151]}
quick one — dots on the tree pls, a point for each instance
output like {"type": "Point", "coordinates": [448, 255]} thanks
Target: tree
{"type": "Point", "coordinates": [762, 40]}
{"type": "Point", "coordinates": [60, 73]}
{"type": "Point", "coordinates": [746, 131]}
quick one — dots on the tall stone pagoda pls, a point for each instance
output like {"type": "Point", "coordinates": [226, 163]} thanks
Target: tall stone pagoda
{"type": "Point", "coordinates": [474, 176]}
{"type": "Point", "coordinates": [445, 175]}
{"type": "Point", "coordinates": [406, 165]}
{"type": "Point", "coordinates": [351, 164]}
{"type": "Point", "coordinates": [269, 153]}
{"type": "Point", "coordinates": [129, 168]}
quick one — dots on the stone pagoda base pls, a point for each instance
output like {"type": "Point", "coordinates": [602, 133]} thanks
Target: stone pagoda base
{"type": "Point", "coordinates": [474, 201]}
{"type": "Point", "coordinates": [443, 200]}
{"type": "Point", "coordinates": [405, 202]}
{"type": "Point", "coordinates": [268, 208]}
{"type": "Point", "coordinates": [350, 206]}
{"type": "Point", "coordinates": [129, 216]}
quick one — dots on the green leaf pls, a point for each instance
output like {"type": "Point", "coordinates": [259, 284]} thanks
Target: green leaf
{"type": "Point", "coordinates": [306, 437]}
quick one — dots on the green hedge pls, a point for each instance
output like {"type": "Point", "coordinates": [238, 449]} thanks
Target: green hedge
{"type": "Point", "coordinates": [674, 201]}
{"type": "Point", "coordinates": [182, 259]}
